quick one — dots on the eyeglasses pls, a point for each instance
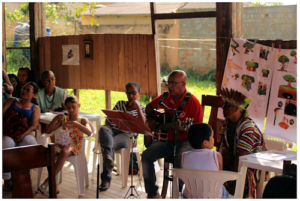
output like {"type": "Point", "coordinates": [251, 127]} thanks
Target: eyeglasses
{"type": "Point", "coordinates": [173, 83]}
{"type": "Point", "coordinates": [133, 93]}
{"type": "Point", "coordinates": [48, 80]}
{"type": "Point", "coordinates": [28, 90]}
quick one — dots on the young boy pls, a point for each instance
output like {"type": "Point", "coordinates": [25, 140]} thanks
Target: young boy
{"type": "Point", "coordinates": [201, 138]}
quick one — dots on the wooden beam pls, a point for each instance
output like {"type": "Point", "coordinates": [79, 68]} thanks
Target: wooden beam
{"type": "Point", "coordinates": [107, 100]}
{"type": "Point", "coordinates": [224, 33]}
{"type": "Point", "coordinates": [233, 19]}
{"type": "Point", "coordinates": [152, 10]}
{"type": "Point", "coordinates": [43, 20]}
{"type": "Point", "coordinates": [166, 16]}
{"type": "Point", "coordinates": [3, 37]}
{"type": "Point", "coordinates": [33, 15]}
{"type": "Point", "coordinates": [239, 10]}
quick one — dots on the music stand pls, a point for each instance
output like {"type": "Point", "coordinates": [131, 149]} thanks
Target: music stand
{"type": "Point", "coordinates": [131, 124]}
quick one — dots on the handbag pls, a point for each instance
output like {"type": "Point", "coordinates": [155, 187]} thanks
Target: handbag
{"type": "Point", "coordinates": [14, 124]}
{"type": "Point", "coordinates": [63, 138]}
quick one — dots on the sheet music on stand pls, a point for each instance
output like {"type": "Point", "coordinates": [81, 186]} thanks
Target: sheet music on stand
{"type": "Point", "coordinates": [128, 123]}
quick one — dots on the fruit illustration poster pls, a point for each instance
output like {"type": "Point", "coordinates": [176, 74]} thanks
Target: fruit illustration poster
{"type": "Point", "coordinates": [282, 112]}
{"type": "Point", "coordinates": [249, 70]}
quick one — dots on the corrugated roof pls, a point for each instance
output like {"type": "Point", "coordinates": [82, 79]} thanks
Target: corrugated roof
{"type": "Point", "coordinates": [135, 8]}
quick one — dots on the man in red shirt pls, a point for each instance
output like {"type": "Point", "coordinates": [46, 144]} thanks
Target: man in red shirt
{"type": "Point", "coordinates": [159, 149]}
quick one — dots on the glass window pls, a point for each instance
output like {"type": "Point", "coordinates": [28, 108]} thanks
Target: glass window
{"type": "Point", "coordinates": [17, 58]}
{"type": "Point", "coordinates": [17, 24]}
{"type": "Point", "coordinates": [190, 7]}
{"type": "Point", "coordinates": [188, 44]}
{"type": "Point", "coordinates": [269, 22]}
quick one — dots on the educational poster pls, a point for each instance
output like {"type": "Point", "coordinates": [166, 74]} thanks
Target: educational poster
{"type": "Point", "coordinates": [249, 70]}
{"type": "Point", "coordinates": [282, 112]}
{"type": "Point", "coordinates": [70, 54]}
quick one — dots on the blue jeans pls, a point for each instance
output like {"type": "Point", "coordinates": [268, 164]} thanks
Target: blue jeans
{"type": "Point", "coordinates": [156, 151]}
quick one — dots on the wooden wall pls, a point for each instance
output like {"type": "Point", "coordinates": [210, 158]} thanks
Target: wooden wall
{"type": "Point", "coordinates": [117, 60]}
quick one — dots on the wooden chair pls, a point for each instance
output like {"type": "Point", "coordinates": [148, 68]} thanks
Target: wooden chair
{"type": "Point", "coordinates": [19, 161]}
{"type": "Point", "coordinates": [167, 176]}
{"type": "Point", "coordinates": [289, 167]}
{"type": "Point", "coordinates": [215, 102]}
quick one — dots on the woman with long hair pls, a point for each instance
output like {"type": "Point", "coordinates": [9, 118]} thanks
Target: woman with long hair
{"type": "Point", "coordinates": [25, 107]}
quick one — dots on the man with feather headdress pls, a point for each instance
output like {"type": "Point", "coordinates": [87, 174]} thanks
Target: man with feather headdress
{"type": "Point", "coordinates": [240, 136]}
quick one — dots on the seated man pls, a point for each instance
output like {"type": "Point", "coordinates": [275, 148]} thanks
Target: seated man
{"type": "Point", "coordinates": [240, 136]}
{"type": "Point", "coordinates": [161, 149]}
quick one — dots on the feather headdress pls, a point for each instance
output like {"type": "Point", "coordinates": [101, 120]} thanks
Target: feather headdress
{"type": "Point", "coordinates": [234, 97]}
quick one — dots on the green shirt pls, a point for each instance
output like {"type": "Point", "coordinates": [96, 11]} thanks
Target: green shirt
{"type": "Point", "coordinates": [58, 99]}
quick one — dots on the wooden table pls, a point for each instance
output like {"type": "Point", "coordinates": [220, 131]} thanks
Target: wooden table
{"type": "Point", "coordinates": [47, 117]}
{"type": "Point", "coordinates": [265, 165]}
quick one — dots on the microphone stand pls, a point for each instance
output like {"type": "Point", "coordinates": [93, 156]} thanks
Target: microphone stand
{"type": "Point", "coordinates": [174, 121]}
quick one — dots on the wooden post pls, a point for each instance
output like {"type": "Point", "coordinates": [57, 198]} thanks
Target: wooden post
{"type": "Point", "coordinates": [43, 20]}
{"type": "Point", "coordinates": [107, 100]}
{"type": "Point", "coordinates": [234, 18]}
{"type": "Point", "coordinates": [76, 27]}
{"type": "Point", "coordinates": [76, 93]}
{"type": "Point", "coordinates": [224, 31]}
{"type": "Point", "coordinates": [3, 37]}
{"type": "Point", "coordinates": [239, 10]}
{"type": "Point", "coordinates": [157, 59]}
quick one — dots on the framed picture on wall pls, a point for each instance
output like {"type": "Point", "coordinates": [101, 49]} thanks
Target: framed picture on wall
{"type": "Point", "coordinates": [88, 49]}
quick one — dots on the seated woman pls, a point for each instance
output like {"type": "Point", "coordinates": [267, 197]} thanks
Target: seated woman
{"type": "Point", "coordinates": [24, 76]}
{"type": "Point", "coordinates": [76, 126]}
{"type": "Point", "coordinates": [26, 106]}
{"type": "Point", "coordinates": [14, 80]}
{"type": "Point", "coordinates": [111, 138]}
{"type": "Point", "coordinates": [240, 136]}
{"type": "Point", "coordinates": [49, 95]}
{"type": "Point", "coordinates": [7, 87]}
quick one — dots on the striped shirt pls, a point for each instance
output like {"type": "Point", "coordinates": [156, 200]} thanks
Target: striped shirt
{"type": "Point", "coordinates": [121, 106]}
{"type": "Point", "coordinates": [249, 137]}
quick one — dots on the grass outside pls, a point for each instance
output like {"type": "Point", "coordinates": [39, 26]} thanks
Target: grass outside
{"type": "Point", "coordinates": [93, 101]}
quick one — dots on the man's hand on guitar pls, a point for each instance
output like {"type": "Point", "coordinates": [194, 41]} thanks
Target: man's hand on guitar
{"type": "Point", "coordinates": [151, 124]}
{"type": "Point", "coordinates": [181, 129]}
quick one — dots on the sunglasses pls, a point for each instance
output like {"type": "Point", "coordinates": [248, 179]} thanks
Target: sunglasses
{"type": "Point", "coordinates": [28, 90]}
{"type": "Point", "coordinates": [173, 83]}
{"type": "Point", "coordinates": [133, 93]}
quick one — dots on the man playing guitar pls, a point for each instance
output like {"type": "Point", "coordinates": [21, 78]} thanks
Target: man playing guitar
{"type": "Point", "coordinates": [161, 149]}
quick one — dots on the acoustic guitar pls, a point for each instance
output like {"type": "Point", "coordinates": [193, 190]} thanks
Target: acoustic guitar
{"type": "Point", "coordinates": [165, 124]}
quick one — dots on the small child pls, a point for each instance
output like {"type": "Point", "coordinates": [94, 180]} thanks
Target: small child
{"type": "Point", "coordinates": [201, 138]}
{"type": "Point", "coordinates": [77, 126]}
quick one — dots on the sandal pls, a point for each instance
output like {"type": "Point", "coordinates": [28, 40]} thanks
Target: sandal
{"type": "Point", "coordinates": [7, 185]}
{"type": "Point", "coordinates": [42, 187]}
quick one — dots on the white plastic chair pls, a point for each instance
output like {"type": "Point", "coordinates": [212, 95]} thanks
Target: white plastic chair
{"type": "Point", "coordinates": [78, 161]}
{"type": "Point", "coordinates": [123, 162]}
{"type": "Point", "coordinates": [207, 183]}
{"type": "Point", "coordinates": [275, 145]}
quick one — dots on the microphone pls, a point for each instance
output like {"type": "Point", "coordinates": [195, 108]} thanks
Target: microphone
{"type": "Point", "coordinates": [162, 99]}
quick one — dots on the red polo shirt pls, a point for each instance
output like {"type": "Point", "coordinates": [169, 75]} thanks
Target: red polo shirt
{"type": "Point", "coordinates": [192, 109]}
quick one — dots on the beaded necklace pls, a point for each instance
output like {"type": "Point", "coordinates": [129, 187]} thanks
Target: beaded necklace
{"type": "Point", "coordinates": [49, 101]}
